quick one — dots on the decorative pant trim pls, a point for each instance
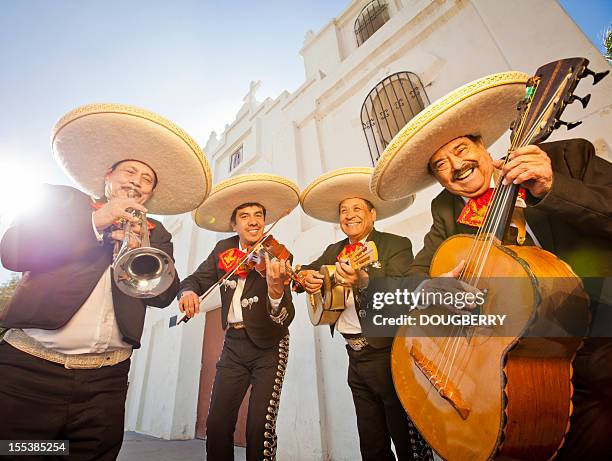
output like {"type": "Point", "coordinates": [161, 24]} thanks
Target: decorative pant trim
{"type": "Point", "coordinates": [270, 438]}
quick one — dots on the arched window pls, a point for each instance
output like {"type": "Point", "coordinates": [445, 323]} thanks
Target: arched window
{"type": "Point", "coordinates": [388, 107]}
{"type": "Point", "coordinates": [235, 159]}
{"type": "Point", "coordinates": [371, 18]}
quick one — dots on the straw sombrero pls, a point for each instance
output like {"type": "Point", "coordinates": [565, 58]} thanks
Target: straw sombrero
{"type": "Point", "coordinates": [484, 107]}
{"type": "Point", "coordinates": [277, 194]}
{"type": "Point", "coordinates": [322, 198]}
{"type": "Point", "coordinates": [90, 139]}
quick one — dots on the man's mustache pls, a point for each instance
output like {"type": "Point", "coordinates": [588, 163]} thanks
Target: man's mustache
{"type": "Point", "coordinates": [467, 165]}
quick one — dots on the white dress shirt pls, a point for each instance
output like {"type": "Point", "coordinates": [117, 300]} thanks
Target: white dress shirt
{"type": "Point", "coordinates": [93, 328]}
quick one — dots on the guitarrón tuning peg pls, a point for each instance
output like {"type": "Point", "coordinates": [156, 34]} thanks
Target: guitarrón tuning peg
{"type": "Point", "coordinates": [569, 125]}
{"type": "Point", "coordinates": [597, 76]}
{"type": "Point", "coordinates": [584, 101]}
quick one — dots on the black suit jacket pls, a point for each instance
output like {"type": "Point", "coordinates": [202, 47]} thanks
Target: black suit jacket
{"type": "Point", "coordinates": [261, 327]}
{"type": "Point", "coordinates": [394, 255]}
{"type": "Point", "coordinates": [62, 261]}
{"type": "Point", "coordinates": [573, 221]}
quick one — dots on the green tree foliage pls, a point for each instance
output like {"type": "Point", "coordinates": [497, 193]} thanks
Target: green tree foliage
{"type": "Point", "coordinates": [607, 41]}
{"type": "Point", "coordinates": [6, 290]}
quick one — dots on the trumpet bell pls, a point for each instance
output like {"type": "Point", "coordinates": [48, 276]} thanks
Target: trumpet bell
{"type": "Point", "coordinates": [144, 272]}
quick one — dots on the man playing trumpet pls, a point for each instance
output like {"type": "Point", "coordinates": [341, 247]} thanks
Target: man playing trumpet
{"type": "Point", "coordinates": [70, 330]}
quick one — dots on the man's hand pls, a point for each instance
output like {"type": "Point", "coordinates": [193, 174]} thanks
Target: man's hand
{"type": "Point", "coordinates": [115, 209]}
{"type": "Point", "coordinates": [276, 277]}
{"type": "Point", "coordinates": [189, 304]}
{"type": "Point", "coordinates": [312, 280]}
{"type": "Point", "coordinates": [346, 275]}
{"type": "Point", "coordinates": [135, 241]}
{"type": "Point", "coordinates": [530, 167]}
{"type": "Point", "coordinates": [448, 283]}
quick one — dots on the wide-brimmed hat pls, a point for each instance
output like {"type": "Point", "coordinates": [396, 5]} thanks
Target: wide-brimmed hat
{"type": "Point", "coordinates": [275, 193]}
{"type": "Point", "coordinates": [90, 139]}
{"type": "Point", "coordinates": [484, 107]}
{"type": "Point", "coordinates": [322, 198]}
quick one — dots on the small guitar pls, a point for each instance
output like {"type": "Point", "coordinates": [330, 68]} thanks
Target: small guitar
{"type": "Point", "coordinates": [325, 307]}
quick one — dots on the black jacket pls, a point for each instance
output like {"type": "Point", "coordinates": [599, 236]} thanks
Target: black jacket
{"type": "Point", "coordinates": [261, 328]}
{"type": "Point", "coordinates": [394, 255]}
{"type": "Point", "coordinates": [62, 261]}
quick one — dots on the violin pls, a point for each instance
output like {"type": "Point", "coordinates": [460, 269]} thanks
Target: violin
{"type": "Point", "coordinates": [255, 260]}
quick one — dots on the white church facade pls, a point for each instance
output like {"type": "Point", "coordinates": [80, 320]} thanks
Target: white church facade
{"type": "Point", "coordinates": [372, 66]}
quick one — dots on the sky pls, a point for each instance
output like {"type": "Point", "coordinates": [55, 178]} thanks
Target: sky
{"type": "Point", "coordinates": [189, 61]}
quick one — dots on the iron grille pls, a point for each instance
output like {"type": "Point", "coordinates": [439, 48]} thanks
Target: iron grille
{"type": "Point", "coordinates": [235, 159]}
{"type": "Point", "coordinates": [370, 19]}
{"type": "Point", "coordinates": [388, 107]}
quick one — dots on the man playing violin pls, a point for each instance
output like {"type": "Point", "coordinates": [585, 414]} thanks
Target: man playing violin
{"type": "Point", "coordinates": [343, 197]}
{"type": "Point", "coordinates": [566, 201]}
{"type": "Point", "coordinates": [70, 331]}
{"type": "Point", "coordinates": [256, 311]}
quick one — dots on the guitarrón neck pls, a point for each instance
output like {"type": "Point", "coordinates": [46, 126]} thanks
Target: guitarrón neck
{"type": "Point", "coordinates": [499, 212]}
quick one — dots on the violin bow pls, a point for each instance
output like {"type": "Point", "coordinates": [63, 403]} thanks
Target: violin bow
{"type": "Point", "coordinates": [222, 280]}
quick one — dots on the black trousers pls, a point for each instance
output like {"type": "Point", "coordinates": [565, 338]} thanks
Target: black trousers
{"type": "Point", "coordinates": [243, 364]}
{"type": "Point", "coordinates": [41, 400]}
{"type": "Point", "coordinates": [380, 415]}
{"type": "Point", "coordinates": [590, 433]}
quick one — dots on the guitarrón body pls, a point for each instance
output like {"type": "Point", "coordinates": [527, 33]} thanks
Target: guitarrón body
{"type": "Point", "coordinates": [503, 395]}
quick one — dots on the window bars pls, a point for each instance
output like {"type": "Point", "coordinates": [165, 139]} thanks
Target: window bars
{"type": "Point", "coordinates": [370, 19]}
{"type": "Point", "coordinates": [388, 107]}
{"type": "Point", "coordinates": [235, 159]}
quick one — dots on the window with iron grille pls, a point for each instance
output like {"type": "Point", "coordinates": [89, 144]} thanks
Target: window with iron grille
{"type": "Point", "coordinates": [371, 18]}
{"type": "Point", "coordinates": [388, 107]}
{"type": "Point", "coordinates": [235, 159]}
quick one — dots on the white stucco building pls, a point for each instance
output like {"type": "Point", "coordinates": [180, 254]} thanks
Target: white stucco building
{"type": "Point", "coordinates": [314, 129]}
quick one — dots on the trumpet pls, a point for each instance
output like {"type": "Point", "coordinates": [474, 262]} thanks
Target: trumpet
{"type": "Point", "coordinates": [142, 272]}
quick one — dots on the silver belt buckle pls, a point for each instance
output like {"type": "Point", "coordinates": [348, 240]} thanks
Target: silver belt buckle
{"type": "Point", "coordinates": [357, 344]}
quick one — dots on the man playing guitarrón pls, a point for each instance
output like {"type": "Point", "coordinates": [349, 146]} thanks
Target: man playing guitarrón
{"type": "Point", "coordinates": [566, 201]}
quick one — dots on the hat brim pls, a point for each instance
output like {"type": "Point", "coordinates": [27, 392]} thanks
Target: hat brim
{"type": "Point", "coordinates": [322, 198]}
{"type": "Point", "coordinates": [90, 139]}
{"type": "Point", "coordinates": [275, 193]}
{"type": "Point", "coordinates": [484, 107]}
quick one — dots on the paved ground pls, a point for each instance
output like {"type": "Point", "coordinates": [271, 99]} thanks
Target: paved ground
{"type": "Point", "coordinates": [138, 447]}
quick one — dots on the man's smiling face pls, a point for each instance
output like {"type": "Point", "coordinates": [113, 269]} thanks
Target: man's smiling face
{"type": "Point", "coordinates": [356, 218]}
{"type": "Point", "coordinates": [463, 166]}
{"type": "Point", "coordinates": [249, 223]}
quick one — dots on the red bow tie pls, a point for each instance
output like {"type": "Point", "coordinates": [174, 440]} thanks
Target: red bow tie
{"type": "Point", "coordinates": [229, 259]}
{"type": "Point", "coordinates": [475, 209]}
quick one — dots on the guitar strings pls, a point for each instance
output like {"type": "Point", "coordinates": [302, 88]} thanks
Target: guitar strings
{"type": "Point", "coordinates": [480, 246]}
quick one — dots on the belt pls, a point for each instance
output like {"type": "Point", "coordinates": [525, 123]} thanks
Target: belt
{"type": "Point", "coordinates": [19, 340]}
{"type": "Point", "coordinates": [236, 325]}
{"type": "Point", "coordinates": [356, 342]}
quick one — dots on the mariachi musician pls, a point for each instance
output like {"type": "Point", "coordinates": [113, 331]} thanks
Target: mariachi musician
{"type": "Point", "coordinates": [65, 356]}
{"type": "Point", "coordinates": [566, 201]}
{"type": "Point", "coordinates": [343, 196]}
{"type": "Point", "coordinates": [256, 310]}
